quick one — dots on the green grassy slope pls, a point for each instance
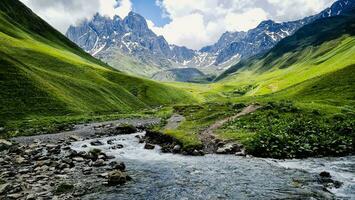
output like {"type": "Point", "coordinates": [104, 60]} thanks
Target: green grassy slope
{"type": "Point", "coordinates": [43, 74]}
{"type": "Point", "coordinates": [323, 47]}
{"type": "Point", "coordinates": [128, 64]}
{"type": "Point", "coordinates": [305, 86]}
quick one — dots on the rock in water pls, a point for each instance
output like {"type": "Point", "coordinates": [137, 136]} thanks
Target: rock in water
{"type": "Point", "coordinates": [96, 143]}
{"type": "Point", "coordinates": [117, 177]}
{"type": "Point", "coordinates": [119, 166]}
{"type": "Point", "coordinates": [176, 149]}
{"type": "Point", "coordinates": [149, 146]}
{"type": "Point", "coordinates": [325, 174]}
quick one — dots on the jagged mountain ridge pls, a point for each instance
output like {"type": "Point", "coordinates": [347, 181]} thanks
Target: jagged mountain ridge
{"type": "Point", "coordinates": [104, 38]}
{"type": "Point", "coordinates": [267, 34]}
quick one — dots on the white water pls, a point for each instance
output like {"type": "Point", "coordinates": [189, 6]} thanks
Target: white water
{"type": "Point", "coordinates": [169, 176]}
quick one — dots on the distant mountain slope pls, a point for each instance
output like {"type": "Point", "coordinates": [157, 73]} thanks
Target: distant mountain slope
{"type": "Point", "coordinates": [110, 39]}
{"type": "Point", "coordinates": [320, 48]}
{"type": "Point", "coordinates": [180, 75]}
{"type": "Point", "coordinates": [42, 73]}
{"type": "Point", "coordinates": [104, 37]}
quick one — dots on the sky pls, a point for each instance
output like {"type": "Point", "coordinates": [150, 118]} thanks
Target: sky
{"type": "Point", "coordinates": [190, 23]}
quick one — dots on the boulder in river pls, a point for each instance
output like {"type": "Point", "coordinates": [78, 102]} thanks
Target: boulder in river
{"type": "Point", "coordinates": [96, 143]}
{"type": "Point", "coordinates": [177, 149]}
{"type": "Point", "coordinates": [118, 165]}
{"type": "Point", "coordinates": [149, 146]}
{"type": "Point", "coordinates": [117, 177]}
{"type": "Point", "coordinates": [74, 138]}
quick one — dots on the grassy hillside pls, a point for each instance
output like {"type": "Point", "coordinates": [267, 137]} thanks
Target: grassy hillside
{"type": "Point", "coordinates": [43, 74]}
{"type": "Point", "coordinates": [305, 86]}
{"type": "Point", "coordinates": [128, 64]}
{"type": "Point", "coordinates": [320, 48]}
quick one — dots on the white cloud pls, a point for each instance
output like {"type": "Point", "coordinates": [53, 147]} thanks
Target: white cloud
{"type": "Point", "coordinates": [63, 13]}
{"type": "Point", "coordinates": [201, 22]}
{"type": "Point", "coordinates": [194, 23]}
{"type": "Point", "coordinates": [290, 10]}
{"type": "Point", "coordinates": [124, 7]}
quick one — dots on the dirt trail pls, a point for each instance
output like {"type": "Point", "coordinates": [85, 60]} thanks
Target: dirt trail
{"type": "Point", "coordinates": [208, 137]}
{"type": "Point", "coordinates": [174, 121]}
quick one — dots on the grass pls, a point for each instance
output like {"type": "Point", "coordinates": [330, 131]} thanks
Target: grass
{"type": "Point", "coordinates": [282, 130]}
{"type": "Point", "coordinates": [43, 75]}
{"type": "Point", "coordinates": [315, 72]}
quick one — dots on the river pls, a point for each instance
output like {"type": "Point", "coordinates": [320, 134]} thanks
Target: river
{"type": "Point", "coordinates": [170, 176]}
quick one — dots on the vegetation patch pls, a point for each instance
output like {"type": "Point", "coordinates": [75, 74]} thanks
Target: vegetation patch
{"type": "Point", "coordinates": [281, 130]}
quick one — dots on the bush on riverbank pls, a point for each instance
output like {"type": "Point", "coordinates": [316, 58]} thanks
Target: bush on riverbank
{"type": "Point", "coordinates": [281, 130]}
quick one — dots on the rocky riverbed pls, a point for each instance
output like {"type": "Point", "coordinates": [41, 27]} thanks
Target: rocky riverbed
{"type": "Point", "coordinates": [90, 163]}
{"type": "Point", "coordinates": [46, 167]}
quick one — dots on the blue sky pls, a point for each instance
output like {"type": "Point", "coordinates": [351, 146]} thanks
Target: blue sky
{"type": "Point", "coordinates": [150, 10]}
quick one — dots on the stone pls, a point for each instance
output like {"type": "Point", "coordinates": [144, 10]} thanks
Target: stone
{"type": "Point", "coordinates": [96, 143]}
{"type": "Point", "coordinates": [118, 165]}
{"type": "Point", "coordinates": [149, 146]}
{"type": "Point", "coordinates": [103, 175]}
{"type": "Point", "coordinates": [241, 153]}
{"type": "Point", "coordinates": [111, 141]}
{"type": "Point", "coordinates": [84, 146]}
{"type": "Point", "coordinates": [117, 146]}
{"type": "Point", "coordinates": [15, 196]}
{"type": "Point", "coordinates": [176, 149]}
{"type": "Point", "coordinates": [99, 163]}
{"type": "Point", "coordinates": [197, 153]}
{"type": "Point", "coordinates": [4, 144]}
{"type": "Point", "coordinates": [87, 170]}
{"type": "Point", "coordinates": [4, 188]}
{"type": "Point", "coordinates": [31, 197]}
{"type": "Point", "coordinates": [20, 160]}
{"type": "Point", "coordinates": [325, 174]}
{"type": "Point", "coordinates": [74, 138]}
{"type": "Point", "coordinates": [78, 159]}
{"type": "Point", "coordinates": [229, 148]}
{"type": "Point", "coordinates": [117, 177]}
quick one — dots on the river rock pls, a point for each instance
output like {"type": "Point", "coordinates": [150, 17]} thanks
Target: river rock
{"type": "Point", "coordinates": [118, 165]}
{"type": "Point", "coordinates": [325, 174]}
{"type": "Point", "coordinates": [110, 141]}
{"type": "Point", "coordinates": [117, 146]}
{"type": "Point", "coordinates": [176, 149]}
{"type": "Point", "coordinates": [75, 138]}
{"type": "Point", "coordinates": [149, 146]}
{"type": "Point", "coordinates": [229, 148]}
{"type": "Point", "coordinates": [4, 144]}
{"type": "Point", "coordinates": [20, 160]}
{"type": "Point", "coordinates": [96, 143]}
{"type": "Point", "coordinates": [78, 159]}
{"type": "Point", "coordinates": [87, 170]}
{"type": "Point", "coordinates": [4, 188]}
{"type": "Point", "coordinates": [15, 196]}
{"type": "Point", "coordinates": [117, 177]}
{"type": "Point", "coordinates": [31, 197]}
{"type": "Point", "coordinates": [241, 153]}
{"type": "Point", "coordinates": [99, 163]}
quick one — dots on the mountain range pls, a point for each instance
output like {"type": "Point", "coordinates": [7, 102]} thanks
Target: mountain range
{"type": "Point", "coordinates": [129, 45]}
